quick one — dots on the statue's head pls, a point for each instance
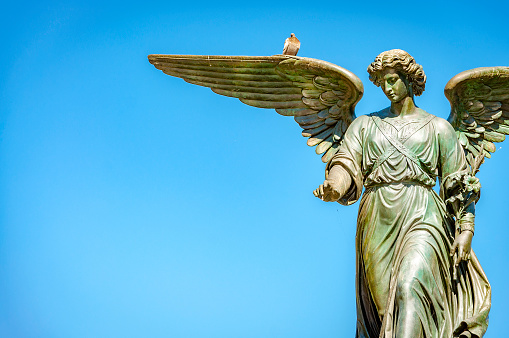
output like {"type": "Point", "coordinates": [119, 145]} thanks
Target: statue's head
{"type": "Point", "coordinates": [398, 74]}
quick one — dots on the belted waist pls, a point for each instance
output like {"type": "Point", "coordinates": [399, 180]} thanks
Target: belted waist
{"type": "Point", "coordinates": [388, 184]}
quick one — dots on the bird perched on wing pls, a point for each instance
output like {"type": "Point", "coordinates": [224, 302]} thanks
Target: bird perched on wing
{"type": "Point", "coordinates": [292, 45]}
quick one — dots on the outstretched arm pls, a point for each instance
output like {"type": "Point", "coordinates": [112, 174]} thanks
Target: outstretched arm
{"type": "Point", "coordinates": [343, 177]}
{"type": "Point", "coordinates": [335, 186]}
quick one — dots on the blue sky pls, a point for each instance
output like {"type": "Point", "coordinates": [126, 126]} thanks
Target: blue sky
{"type": "Point", "coordinates": [133, 204]}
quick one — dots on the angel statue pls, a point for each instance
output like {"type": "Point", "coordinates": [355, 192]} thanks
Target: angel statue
{"type": "Point", "coordinates": [416, 275]}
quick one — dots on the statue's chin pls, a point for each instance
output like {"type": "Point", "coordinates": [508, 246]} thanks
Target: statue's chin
{"type": "Point", "coordinates": [395, 99]}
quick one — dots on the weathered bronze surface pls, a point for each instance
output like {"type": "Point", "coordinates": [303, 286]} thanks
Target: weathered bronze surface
{"type": "Point", "coordinates": [416, 273]}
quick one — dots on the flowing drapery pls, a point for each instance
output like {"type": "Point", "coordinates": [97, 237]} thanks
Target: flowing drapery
{"type": "Point", "coordinates": [404, 233]}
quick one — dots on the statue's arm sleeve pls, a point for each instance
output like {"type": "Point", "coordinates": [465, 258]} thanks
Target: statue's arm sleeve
{"type": "Point", "coordinates": [349, 157]}
{"type": "Point", "coordinates": [459, 189]}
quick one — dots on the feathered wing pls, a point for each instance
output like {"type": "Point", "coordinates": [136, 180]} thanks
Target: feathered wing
{"type": "Point", "coordinates": [320, 95]}
{"type": "Point", "coordinates": [479, 109]}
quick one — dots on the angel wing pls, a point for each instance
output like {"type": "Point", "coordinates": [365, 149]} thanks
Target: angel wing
{"type": "Point", "coordinates": [320, 95]}
{"type": "Point", "coordinates": [479, 110]}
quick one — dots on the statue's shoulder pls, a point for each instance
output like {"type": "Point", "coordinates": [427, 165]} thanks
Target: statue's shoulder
{"type": "Point", "coordinates": [360, 123]}
{"type": "Point", "coordinates": [384, 113]}
{"type": "Point", "coordinates": [442, 125]}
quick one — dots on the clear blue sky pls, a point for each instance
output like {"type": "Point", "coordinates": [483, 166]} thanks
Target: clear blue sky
{"type": "Point", "coordinates": [133, 204]}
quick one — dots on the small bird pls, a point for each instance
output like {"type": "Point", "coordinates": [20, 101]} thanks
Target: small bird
{"type": "Point", "coordinates": [292, 45]}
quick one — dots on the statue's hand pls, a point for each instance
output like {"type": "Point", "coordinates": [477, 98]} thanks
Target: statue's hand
{"type": "Point", "coordinates": [328, 191]}
{"type": "Point", "coordinates": [462, 246]}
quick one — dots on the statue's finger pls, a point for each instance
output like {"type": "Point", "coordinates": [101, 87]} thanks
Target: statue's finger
{"type": "Point", "coordinates": [329, 197]}
{"type": "Point", "coordinates": [333, 196]}
{"type": "Point", "coordinates": [461, 254]}
{"type": "Point", "coordinates": [315, 193]}
{"type": "Point", "coordinates": [453, 249]}
{"type": "Point", "coordinates": [465, 255]}
{"type": "Point", "coordinates": [320, 190]}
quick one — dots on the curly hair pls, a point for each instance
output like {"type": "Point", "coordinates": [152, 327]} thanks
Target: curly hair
{"type": "Point", "coordinates": [402, 62]}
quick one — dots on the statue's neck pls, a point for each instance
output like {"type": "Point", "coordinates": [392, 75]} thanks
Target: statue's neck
{"type": "Point", "coordinates": [405, 107]}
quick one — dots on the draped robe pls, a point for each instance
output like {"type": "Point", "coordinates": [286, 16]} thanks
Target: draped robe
{"type": "Point", "coordinates": [404, 232]}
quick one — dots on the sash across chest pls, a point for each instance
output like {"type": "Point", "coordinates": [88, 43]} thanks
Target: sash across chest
{"type": "Point", "coordinates": [397, 144]}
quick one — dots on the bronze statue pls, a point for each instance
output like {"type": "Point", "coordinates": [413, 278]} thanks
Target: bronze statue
{"type": "Point", "coordinates": [416, 273]}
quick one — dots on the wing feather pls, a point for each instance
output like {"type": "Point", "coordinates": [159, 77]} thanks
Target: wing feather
{"type": "Point", "coordinates": [308, 119]}
{"type": "Point", "coordinates": [324, 145]}
{"type": "Point", "coordinates": [236, 88]}
{"type": "Point", "coordinates": [313, 141]}
{"type": "Point", "coordinates": [314, 131]}
{"type": "Point", "coordinates": [259, 96]}
{"type": "Point", "coordinates": [331, 152]}
{"type": "Point", "coordinates": [274, 104]}
{"type": "Point", "coordinates": [314, 125]}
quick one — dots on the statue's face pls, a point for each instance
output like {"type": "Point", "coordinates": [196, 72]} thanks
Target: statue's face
{"type": "Point", "coordinates": [394, 86]}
